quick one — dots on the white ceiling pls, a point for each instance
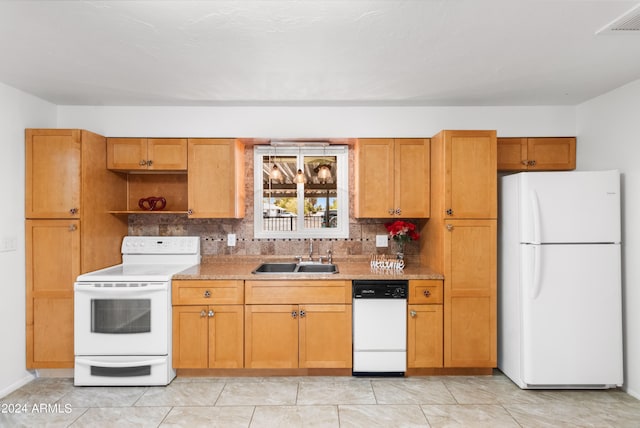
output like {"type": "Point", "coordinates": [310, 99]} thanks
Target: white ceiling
{"type": "Point", "coordinates": [305, 52]}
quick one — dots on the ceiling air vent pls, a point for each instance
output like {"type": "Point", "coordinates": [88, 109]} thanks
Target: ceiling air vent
{"type": "Point", "coordinates": [628, 23]}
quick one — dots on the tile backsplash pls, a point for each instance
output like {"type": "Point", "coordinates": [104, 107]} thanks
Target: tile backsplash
{"type": "Point", "coordinates": [213, 232]}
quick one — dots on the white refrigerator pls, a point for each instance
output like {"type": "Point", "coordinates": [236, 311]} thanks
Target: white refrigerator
{"type": "Point", "coordinates": [559, 282]}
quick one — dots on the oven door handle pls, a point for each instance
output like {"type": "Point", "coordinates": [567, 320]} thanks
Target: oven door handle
{"type": "Point", "coordinates": [89, 362]}
{"type": "Point", "coordinates": [91, 286]}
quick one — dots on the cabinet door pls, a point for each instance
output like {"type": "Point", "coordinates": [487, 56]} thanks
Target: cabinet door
{"type": "Point", "coordinates": [325, 336]}
{"type": "Point", "coordinates": [190, 337]}
{"type": "Point", "coordinates": [167, 154]}
{"type": "Point", "coordinates": [52, 173]}
{"type": "Point", "coordinates": [216, 178]}
{"type": "Point", "coordinates": [424, 336]}
{"type": "Point", "coordinates": [52, 265]}
{"type": "Point", "coordinates": [470, 327]}
{"type": "Point", "coordinates": [512, 154]}
{"type": "Point", "coordinates": [226, 336]}
{"type": "Point", "coordinates": [374, 178]}
{"type": "Point", "coordinates": [271, 336]}
{"type": "Point", "coordinates": [551, 154]}
{"type": "Point", "coordinates": [412, 174]}
{"type": "Point", "coordinates": [127, 154]}
{"type": "Point", "coordinates": [470, 174]}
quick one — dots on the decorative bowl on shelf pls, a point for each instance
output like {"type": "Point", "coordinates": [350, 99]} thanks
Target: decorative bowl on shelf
{"type": "Point", "coordinates": [152, 203]}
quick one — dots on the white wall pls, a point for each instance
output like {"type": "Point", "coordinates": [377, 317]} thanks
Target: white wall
{"type": "Point", "coordinates": [608, 129]}
{"type": "Point", "coordinates": [17, 112]}
{"type": "Point", "coordinates": [316, 122]}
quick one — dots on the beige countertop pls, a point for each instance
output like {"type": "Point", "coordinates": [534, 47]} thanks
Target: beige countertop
{"type": "Point", "coordinates": [353, 268]}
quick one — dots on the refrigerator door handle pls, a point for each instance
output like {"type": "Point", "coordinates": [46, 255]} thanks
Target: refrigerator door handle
{"type": "Point", "coordinates": [535, 206]}
{"type": "Point", "coordinates": [537, 283]}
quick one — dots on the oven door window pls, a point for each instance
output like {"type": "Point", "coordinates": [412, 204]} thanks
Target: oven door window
{"type": "Point", "coordinates": [121, 316]}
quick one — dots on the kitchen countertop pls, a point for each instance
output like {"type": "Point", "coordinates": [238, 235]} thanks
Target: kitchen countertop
{"type": "Point", "coordinates": [221, 268]}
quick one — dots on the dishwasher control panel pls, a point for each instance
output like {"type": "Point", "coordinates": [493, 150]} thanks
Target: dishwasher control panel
{"type": "Point", "coordinates": [376, 289]}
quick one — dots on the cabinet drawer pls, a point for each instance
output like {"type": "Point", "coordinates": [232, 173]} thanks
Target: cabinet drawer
{"type": "Point", "coordinates": [205, 292]}
{"type": "Point", "coordinates": [295, 292]}
{"type": "Point", "coordinates": [425, 291]}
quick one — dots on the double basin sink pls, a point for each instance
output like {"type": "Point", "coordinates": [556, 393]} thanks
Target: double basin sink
{"type": "Point", "coordinates": [295, 268]}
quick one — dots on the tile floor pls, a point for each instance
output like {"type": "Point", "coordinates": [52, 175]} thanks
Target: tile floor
{"type": "Point", "coordinates": [469, 401]}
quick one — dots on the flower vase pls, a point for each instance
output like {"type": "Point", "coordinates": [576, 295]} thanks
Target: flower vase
{"type": "Point", "coordinates": [400, 251]}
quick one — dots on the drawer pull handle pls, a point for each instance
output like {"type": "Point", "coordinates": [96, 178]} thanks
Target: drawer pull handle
{"type": "Point", "coordinates": [207, 294]}
{"type": "Point", "coordinates": [427, 293]}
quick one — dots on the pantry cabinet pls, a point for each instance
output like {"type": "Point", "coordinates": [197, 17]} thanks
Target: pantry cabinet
{"type": "Point", "coordinates": [147, 154]}
{"type": "Point", "coordinates": [460, 240]}
{"type": "Point", "coordinates": [537, 154]}
{"type": "Point", "coordinates": [68, 231]}
{"type": "Point", "coordinates": [298, 324]}
{"type": "Point", "coordinates": [425, 324]}
{"type": "Point", "coordinates": [216, 178]}
{"type": "Point", "coordinates": [392, 178]}
{"type": "Point", "coordinates": [208, 324]}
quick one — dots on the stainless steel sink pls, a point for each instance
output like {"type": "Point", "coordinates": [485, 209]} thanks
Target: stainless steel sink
{"type": "Point", "coordinates": [295, 268]}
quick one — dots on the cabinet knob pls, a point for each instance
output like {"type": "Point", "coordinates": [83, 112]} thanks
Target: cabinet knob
{"type": "Point", "coordinates": [526, 162]}
{"type": "Point", "coordinates": [391, 211]}
{"type": "Point", "coordinates": [427, 293]}
{"type": "Point", "coordinates": [449, 227]}
{"type": "Point", "coordinates": [211, 313]}
{"type": "Point", "coordinates": [142, 162]}
{"type": "Point", "coordinates": [203, 313]}
{"type": "Point", "coordinates": [73, 211]}
{"type": "Point", "coordinates": [294, 314]}
{"type": "Point", "coordinates": [72, 228]}
{"type": "Point", "coordinates": [302, 313]}
{"type": "Point", "coordinates": [189, 211]}
{"type": "Point", "coordinates": [413, 314]}
{"type": "Point", "coordinates": [532, 163]}
{"type": "Point", "coordinates": [449, 211]}
{"type": "Point", "coordinates": [207, 294]}
{"type": "Point", "coordinates": [398, 211]}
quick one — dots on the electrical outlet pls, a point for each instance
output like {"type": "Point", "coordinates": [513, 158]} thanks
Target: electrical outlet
{"type": "Point", "coordinates": [382, 240]}
{"type": "Point", "coordinates": [231, 240]}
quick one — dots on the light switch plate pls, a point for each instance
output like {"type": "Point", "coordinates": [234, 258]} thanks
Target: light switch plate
{"type": "Point", "coordinates": [382, 240]}
{"type": "Point", "coordinates": [231, 240]}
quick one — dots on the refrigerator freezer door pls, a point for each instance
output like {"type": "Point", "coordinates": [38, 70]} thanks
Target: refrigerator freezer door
{"type": "Point", "coordinates": [572, 315]}
{"type": "Point", "coordinates": [569, 207]}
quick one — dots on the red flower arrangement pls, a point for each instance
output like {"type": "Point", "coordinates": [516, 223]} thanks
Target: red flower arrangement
{"type": "Point", "coordinates": [402, 231]}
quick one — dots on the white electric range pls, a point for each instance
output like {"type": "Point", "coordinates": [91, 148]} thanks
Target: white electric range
{"type": "Point", "coordinates": [122, 314]}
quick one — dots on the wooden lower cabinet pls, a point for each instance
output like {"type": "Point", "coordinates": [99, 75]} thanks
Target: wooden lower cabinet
{"type": "Point", "coordinates": [208, 336]}
{"type": "Point", "coordinates": [298, 336]}
{"type": "Point", "coordinates": [425, 324]}
{"type": "Point", "coordinates": [208, 324]}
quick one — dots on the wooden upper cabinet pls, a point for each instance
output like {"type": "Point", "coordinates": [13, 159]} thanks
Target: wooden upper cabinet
{"type": "Point", "coordinates": [216, 178]}
{"type": "Point", "coordinates": [467, 159]}
{"type": "Point", "coordinates": [53, 173]}
{"type": "Point", "coordinates": [537, 154]}
{"type": "Point", "coordinates": [392, 178]}
{"type": "Point", "coordinates": [147, 154]}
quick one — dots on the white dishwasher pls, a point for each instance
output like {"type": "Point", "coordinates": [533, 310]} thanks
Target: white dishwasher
{"type": "Point", "coordinates": [380, 327]}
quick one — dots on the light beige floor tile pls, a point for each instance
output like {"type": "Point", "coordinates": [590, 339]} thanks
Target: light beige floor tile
{"type": "Point", "coordinates": [210, 417]}
{"type": "Point", "coordinates": [490, 390]}
{"type": "Point", "coordinates": [381, 416]}
{"type": "Point", "coordinates": [59, 417]}
{"type": "Point", "coordinates": [295, 416]}
{"type": "Point", "coordinates": [333, 393]}
{"type": "Point", "coordinates": [182, 394]}
{"type": "Point", "coordinates": [122, 417]}
{"type": "Point", "coordinates": [468, 415]}
{"type": "Point", "coordinates": [556, 415]}
{"type": "Point", "coordinates": [40, 390]}
{"type": "Point", "coordinates": [100, 396]}
{"type": "Point", "coordinates": [403, 392]}
{"type": "Point", "coordinates": [258, 393]}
